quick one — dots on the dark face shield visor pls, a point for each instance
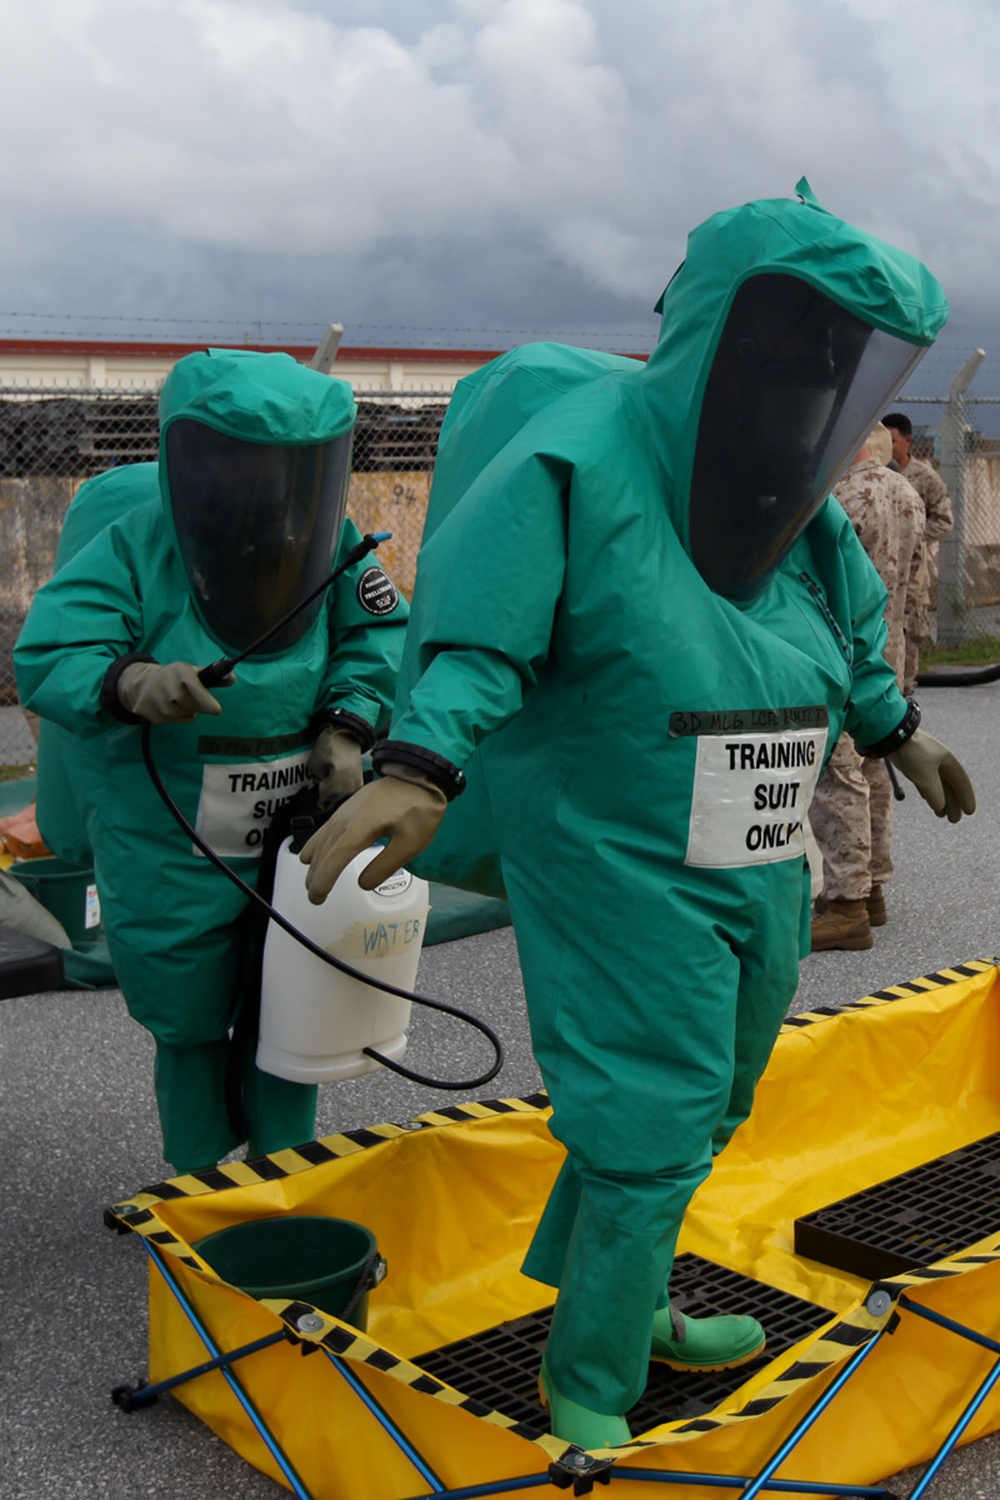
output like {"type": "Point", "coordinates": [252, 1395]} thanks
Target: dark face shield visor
{"type": "Point", "coordinates": [257, 526]}
{"type": "Point", "coordinates": [796, 385]}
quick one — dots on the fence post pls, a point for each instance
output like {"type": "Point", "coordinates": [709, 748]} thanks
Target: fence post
{"type": "Point", "coordinates": [952, 548]}
{"type": "Point", "coordinates": [326, 350]}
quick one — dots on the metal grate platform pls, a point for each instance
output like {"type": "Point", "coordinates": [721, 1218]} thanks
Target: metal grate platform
{"type": "Point", "coordinates": [499, 1367]}
{"type": "Point", "coordinates": [919, 1217]}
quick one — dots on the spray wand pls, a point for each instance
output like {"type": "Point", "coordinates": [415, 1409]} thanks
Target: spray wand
{"type": "Point", "coordinates": [218, 671]}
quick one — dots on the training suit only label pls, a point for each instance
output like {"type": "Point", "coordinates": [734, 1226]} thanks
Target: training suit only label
{"type": "Point", "coordinates": [751, 795]}
{"type": "Point", "coordinates": [238, 801]}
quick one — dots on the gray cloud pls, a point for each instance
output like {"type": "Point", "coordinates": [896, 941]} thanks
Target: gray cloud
{"type": "Point", "coordinates": [490, 167]}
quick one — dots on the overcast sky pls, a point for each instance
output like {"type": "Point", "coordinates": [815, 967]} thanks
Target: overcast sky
{"type": "Point", "coordinates": [470, 173]}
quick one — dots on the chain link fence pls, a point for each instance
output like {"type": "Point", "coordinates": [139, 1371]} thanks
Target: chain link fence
{"type": "Point", "coordinates": [969, 607]}
{"type": "Point", "coordinates": [51, 442]}
{"type": "Point", "coordinates": [959, 433]}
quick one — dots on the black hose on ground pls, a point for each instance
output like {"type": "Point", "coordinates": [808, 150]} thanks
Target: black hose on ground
{"type": "Point", "coordinates": [959, 676]}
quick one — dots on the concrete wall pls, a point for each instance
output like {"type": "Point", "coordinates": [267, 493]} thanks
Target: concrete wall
{"type": "Point", "coordinates": [982, 530]}
{"type": "Point", "coordinates": [31, 516]}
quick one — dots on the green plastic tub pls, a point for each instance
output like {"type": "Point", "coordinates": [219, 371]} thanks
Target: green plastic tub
{"type": "Point", "coordinates": [331, 1263]}
{"type": "Point", "coordinates": [67, 891]}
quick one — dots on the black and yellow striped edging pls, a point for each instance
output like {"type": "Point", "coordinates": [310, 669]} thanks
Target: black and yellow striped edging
{"type": "Point", "coordinates": [329, 1148]}
{"type": "Point", "coordinates": [138, 1213]}
{"type": "Point", "coordinates": [344, 1342]}
{"type": "Point", "coordinates": [953, 975]}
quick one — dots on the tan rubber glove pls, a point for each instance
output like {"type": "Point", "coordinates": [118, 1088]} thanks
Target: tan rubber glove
{"type": "Point", "coordinates": [403, 805]}
{"type": "Point", "coordinates": [166, 695]}
{"type": "Point", "coordinates": [335, 762]}
{"type": "Point", "coordinates": [937, 774]}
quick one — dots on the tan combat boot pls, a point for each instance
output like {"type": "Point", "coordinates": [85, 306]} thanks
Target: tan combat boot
{"type": "Point", "coordinates": [842, 924]}
{"type": "Point", "coordinates": [875, 901]}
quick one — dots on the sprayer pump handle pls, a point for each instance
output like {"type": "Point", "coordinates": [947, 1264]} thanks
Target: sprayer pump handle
{"type": "Point", "coordinates": [302, 827]}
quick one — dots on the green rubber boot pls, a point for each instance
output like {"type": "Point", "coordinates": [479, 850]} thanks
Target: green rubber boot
{"type": "Point", "coordinates": [578, 1424]}
{"type": "Point", "coordinates": [704, 1343]}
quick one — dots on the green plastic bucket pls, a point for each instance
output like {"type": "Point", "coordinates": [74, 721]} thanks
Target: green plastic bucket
{"type": "Point", "coordinates": [331, 1263]}
{"type": "Point", "coordinates": [67, 891]}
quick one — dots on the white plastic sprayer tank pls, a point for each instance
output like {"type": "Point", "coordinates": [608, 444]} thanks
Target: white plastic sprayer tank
{"type": "Point", "coordinates": [314, 1020]}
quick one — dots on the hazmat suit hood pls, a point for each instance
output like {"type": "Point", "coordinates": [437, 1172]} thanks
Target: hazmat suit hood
{"type": "Point", "coordinates": [254, 466]}
{"type": "Point", "coordinates": [784, 334]}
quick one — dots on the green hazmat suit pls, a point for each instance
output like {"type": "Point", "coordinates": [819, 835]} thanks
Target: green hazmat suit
{"type": "Point", "coordinates": [70, 773]}
{"type": "Point", "coordinates": [211, 545]}
{"type": "Point", "coordinates": [633, 660]}
{"type": "Point", "coordinates": [64, 760]}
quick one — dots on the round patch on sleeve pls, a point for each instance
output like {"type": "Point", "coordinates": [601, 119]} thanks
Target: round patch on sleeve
{"type": "Point", "coordinates": [376, 592]}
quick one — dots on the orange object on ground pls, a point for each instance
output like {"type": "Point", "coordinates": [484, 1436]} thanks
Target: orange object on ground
{"type": "Point", "coordinates": [19, 835]}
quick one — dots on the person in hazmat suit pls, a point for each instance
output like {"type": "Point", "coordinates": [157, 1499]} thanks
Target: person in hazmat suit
{"type": "Point", "coordinates": [639, 626]}
{"type": "Point", "coordinates": [238, 522]}
{"type": "Point", "coordinates": [65, 763]}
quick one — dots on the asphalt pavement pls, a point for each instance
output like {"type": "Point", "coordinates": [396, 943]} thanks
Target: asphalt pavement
{"type": "Point", "coordinates": [78, 1131]}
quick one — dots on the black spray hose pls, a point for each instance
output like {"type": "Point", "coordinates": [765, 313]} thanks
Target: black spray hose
{"type": "Point", "coordinates": [328, 958]}
{"type": "Point", "coordinates": [218, 671]}
{"type": "Point", "coordinates": [897, 790]}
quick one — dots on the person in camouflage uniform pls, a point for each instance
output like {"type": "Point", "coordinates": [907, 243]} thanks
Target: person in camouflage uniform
{"type": "Point", "coordinates": [929, 485]}
{"type": "Point", "coordinates": [851, 813]}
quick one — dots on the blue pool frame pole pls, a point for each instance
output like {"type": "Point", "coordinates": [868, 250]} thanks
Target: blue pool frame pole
{"type": "Point", "coordinates": [491, 1487]}
{"type": "Point", "coordinates": [738, 1482]}
{"type": "Point", "coordinates": [971, 1336]}
{"type": "Point", "coordinates": [380, 1414]}
{"type": "Point", "coordinates": [613, 1476]}
{"type": "Point", "coordinates": [811, 1416]}
{"type": "Point", "coordinates": [273, 1447]}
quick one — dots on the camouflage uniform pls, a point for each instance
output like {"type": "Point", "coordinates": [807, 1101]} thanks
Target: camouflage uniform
{"type": "Point", "coordinates": [851, 812]}
{"type": "Point", "coordinates": [929, 485]}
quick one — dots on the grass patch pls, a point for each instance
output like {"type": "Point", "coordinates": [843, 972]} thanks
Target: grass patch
{"type": "Point", "coordinates": [15, 773]}
{"type": "Point", "coordinates": [980, 653]}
